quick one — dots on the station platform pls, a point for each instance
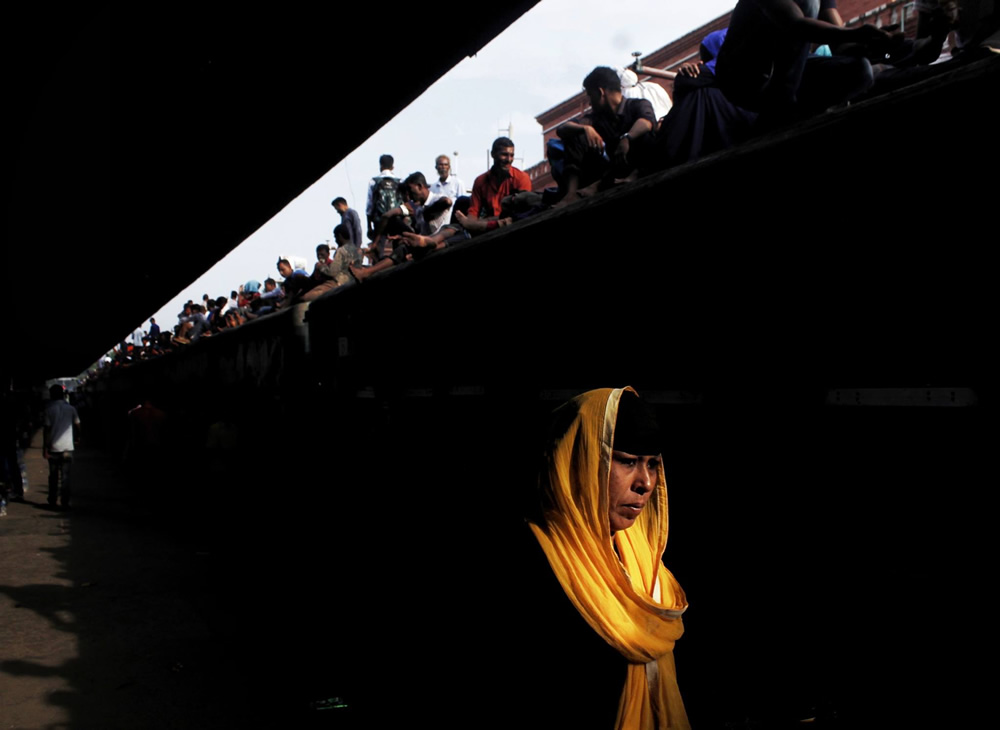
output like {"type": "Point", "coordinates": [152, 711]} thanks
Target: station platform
{"type": "Point", "coordinates": [112, 616]}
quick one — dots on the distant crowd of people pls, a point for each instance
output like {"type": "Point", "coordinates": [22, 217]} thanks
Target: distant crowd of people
{"type": "Point", "coordinates": [405, 220]}
{"type": "Point", "coordinates": [778, 62]}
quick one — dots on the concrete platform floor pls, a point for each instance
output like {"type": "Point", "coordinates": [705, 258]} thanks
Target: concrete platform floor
{"type": "Point", "coordinates": [109, 619]}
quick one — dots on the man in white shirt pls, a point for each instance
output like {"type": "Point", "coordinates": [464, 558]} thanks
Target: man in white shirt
{"type": "Point", "coordinates": [447, 184]}
{"type": "Point", "coordinates": [60, 420]}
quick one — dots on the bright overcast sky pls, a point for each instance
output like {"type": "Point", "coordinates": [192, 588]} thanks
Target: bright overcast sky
{"type": "Point", "coordinates": [533, 65]}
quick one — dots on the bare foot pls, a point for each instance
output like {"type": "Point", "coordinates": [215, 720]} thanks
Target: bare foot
{"type": "Point", "coordinates": [415, 240]}
{"type": "Point", "coordinates": [631, 177]}
{"type": "Point", "coordinates": [567, 199]}
{"type": "Point", "coordinates": [572, 197]}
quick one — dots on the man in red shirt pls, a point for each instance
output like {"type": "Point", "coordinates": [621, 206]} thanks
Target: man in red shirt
{"type": "Point", "coordinates": [498, 182]}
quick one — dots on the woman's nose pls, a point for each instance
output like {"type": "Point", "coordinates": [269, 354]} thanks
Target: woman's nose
{"type": "Point", "coordinates": [645, 478]}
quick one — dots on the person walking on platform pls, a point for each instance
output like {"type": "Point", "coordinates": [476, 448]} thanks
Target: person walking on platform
{"type": "Point", "coordinates": [11, 482]}
{"type": "Point", "coordinates": [61, 420]}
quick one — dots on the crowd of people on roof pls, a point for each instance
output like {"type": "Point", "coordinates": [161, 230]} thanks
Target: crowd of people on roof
{"type": "Point", "coordinates": [778, 62]}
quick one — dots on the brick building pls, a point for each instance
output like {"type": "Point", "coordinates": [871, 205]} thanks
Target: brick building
{"type": "Point", "coordinates": [685, 49]}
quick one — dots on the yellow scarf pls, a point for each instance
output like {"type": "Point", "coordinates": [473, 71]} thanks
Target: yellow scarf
{"type": "Point", "coordinates": [635, 603]}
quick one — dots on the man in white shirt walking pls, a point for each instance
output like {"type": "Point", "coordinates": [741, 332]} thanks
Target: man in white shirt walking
{"type": "Point", "coordinates": [60, 421]}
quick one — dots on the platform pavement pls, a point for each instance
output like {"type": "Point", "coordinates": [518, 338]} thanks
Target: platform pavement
{"type": "Point", "coordinates": [106, 614]}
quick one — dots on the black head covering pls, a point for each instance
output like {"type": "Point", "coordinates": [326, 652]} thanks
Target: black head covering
{"type": "Point", "coordinates": [636, 430]}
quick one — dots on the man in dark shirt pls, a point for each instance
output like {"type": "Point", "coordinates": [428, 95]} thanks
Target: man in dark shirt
{"type": "Point", "coordinates": [350, 218]}
{"type": "Point", "coordinates": [610, 143]}
{"type": "Point", "coordinates": [296, 283]}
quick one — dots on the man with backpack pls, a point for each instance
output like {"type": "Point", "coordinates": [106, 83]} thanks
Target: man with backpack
{"type": "Point", "coordinates": [383, 193]}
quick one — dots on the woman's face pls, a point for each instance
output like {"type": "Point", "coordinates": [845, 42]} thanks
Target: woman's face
{"type": "Point", "coordinates": [633, 479]}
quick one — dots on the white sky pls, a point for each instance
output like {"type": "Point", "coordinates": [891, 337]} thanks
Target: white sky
{"type": "Point", "coordinates": [533, 65]}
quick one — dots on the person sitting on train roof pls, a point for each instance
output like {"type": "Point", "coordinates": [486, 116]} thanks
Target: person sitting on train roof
{"type": "Point", "coordinates": [609, 144]}
{"type": "Point", "coordinates": [702, 120]}
{"type": "Point", "coordinates": [764, 65]}
{"type": "Point", "coordinates": [296, 282]}
{"type": "Point", "coordinates": [500, 181]}
{"type": "Point", "coordinates": [334, 271]}
{"type": "Point", "coordinates": [193, 325]}
{"type": "Point", "coordinates": [268, 300]}
{"type": "Point", "coordinates": [409, 246]}
{"type": "Point", "coordinates": [214, 315]}
{"type": "Point", "coordinates": [428, 211]}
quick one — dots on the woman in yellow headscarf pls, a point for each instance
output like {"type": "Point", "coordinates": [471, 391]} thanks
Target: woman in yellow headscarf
{"type": "Point", "coordinates": [602, 526]}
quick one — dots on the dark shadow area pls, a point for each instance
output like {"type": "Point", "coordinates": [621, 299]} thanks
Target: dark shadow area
{"type": "Point", "coordinates": [364, 549]}
{"type": "Point", "coordinates": [347, 493]}
{"type": "Point", "coordinates": [119, 626]}
{"type": "Point", "coordinates": [196, 126]}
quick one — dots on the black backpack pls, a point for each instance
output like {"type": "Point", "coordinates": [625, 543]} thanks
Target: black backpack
{"type": "Point", "coordinates": [385, 195]}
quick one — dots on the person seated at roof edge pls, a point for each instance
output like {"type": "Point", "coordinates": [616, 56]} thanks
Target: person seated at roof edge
{"type": "Point", "coordinates": [702, 120]}
{"type": "Point", "coordinates": [610, 144]}
{"type": "Point", "coordinates": [334, 271]}
{"type": "Point", "coordinates": [296, 283]}
{"type": "Point", "coordinates": [500, 181]}
{"type": "Point", "coordinates": [265, 302]}
{"type": "Point", "coordinates": [414, 246]}
{"type": "Point", "coordinates": [192, 325]}
{"type": "Point", "coordinates": [407, 246]}
{"type": "Point", "coordinates": [428, 211]}
{"type": "Point", "coordinates": [764, 65]}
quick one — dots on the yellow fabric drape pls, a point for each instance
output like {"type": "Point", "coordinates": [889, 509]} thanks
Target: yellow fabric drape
{"type": "Point", "coordinates": [615, 597]}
